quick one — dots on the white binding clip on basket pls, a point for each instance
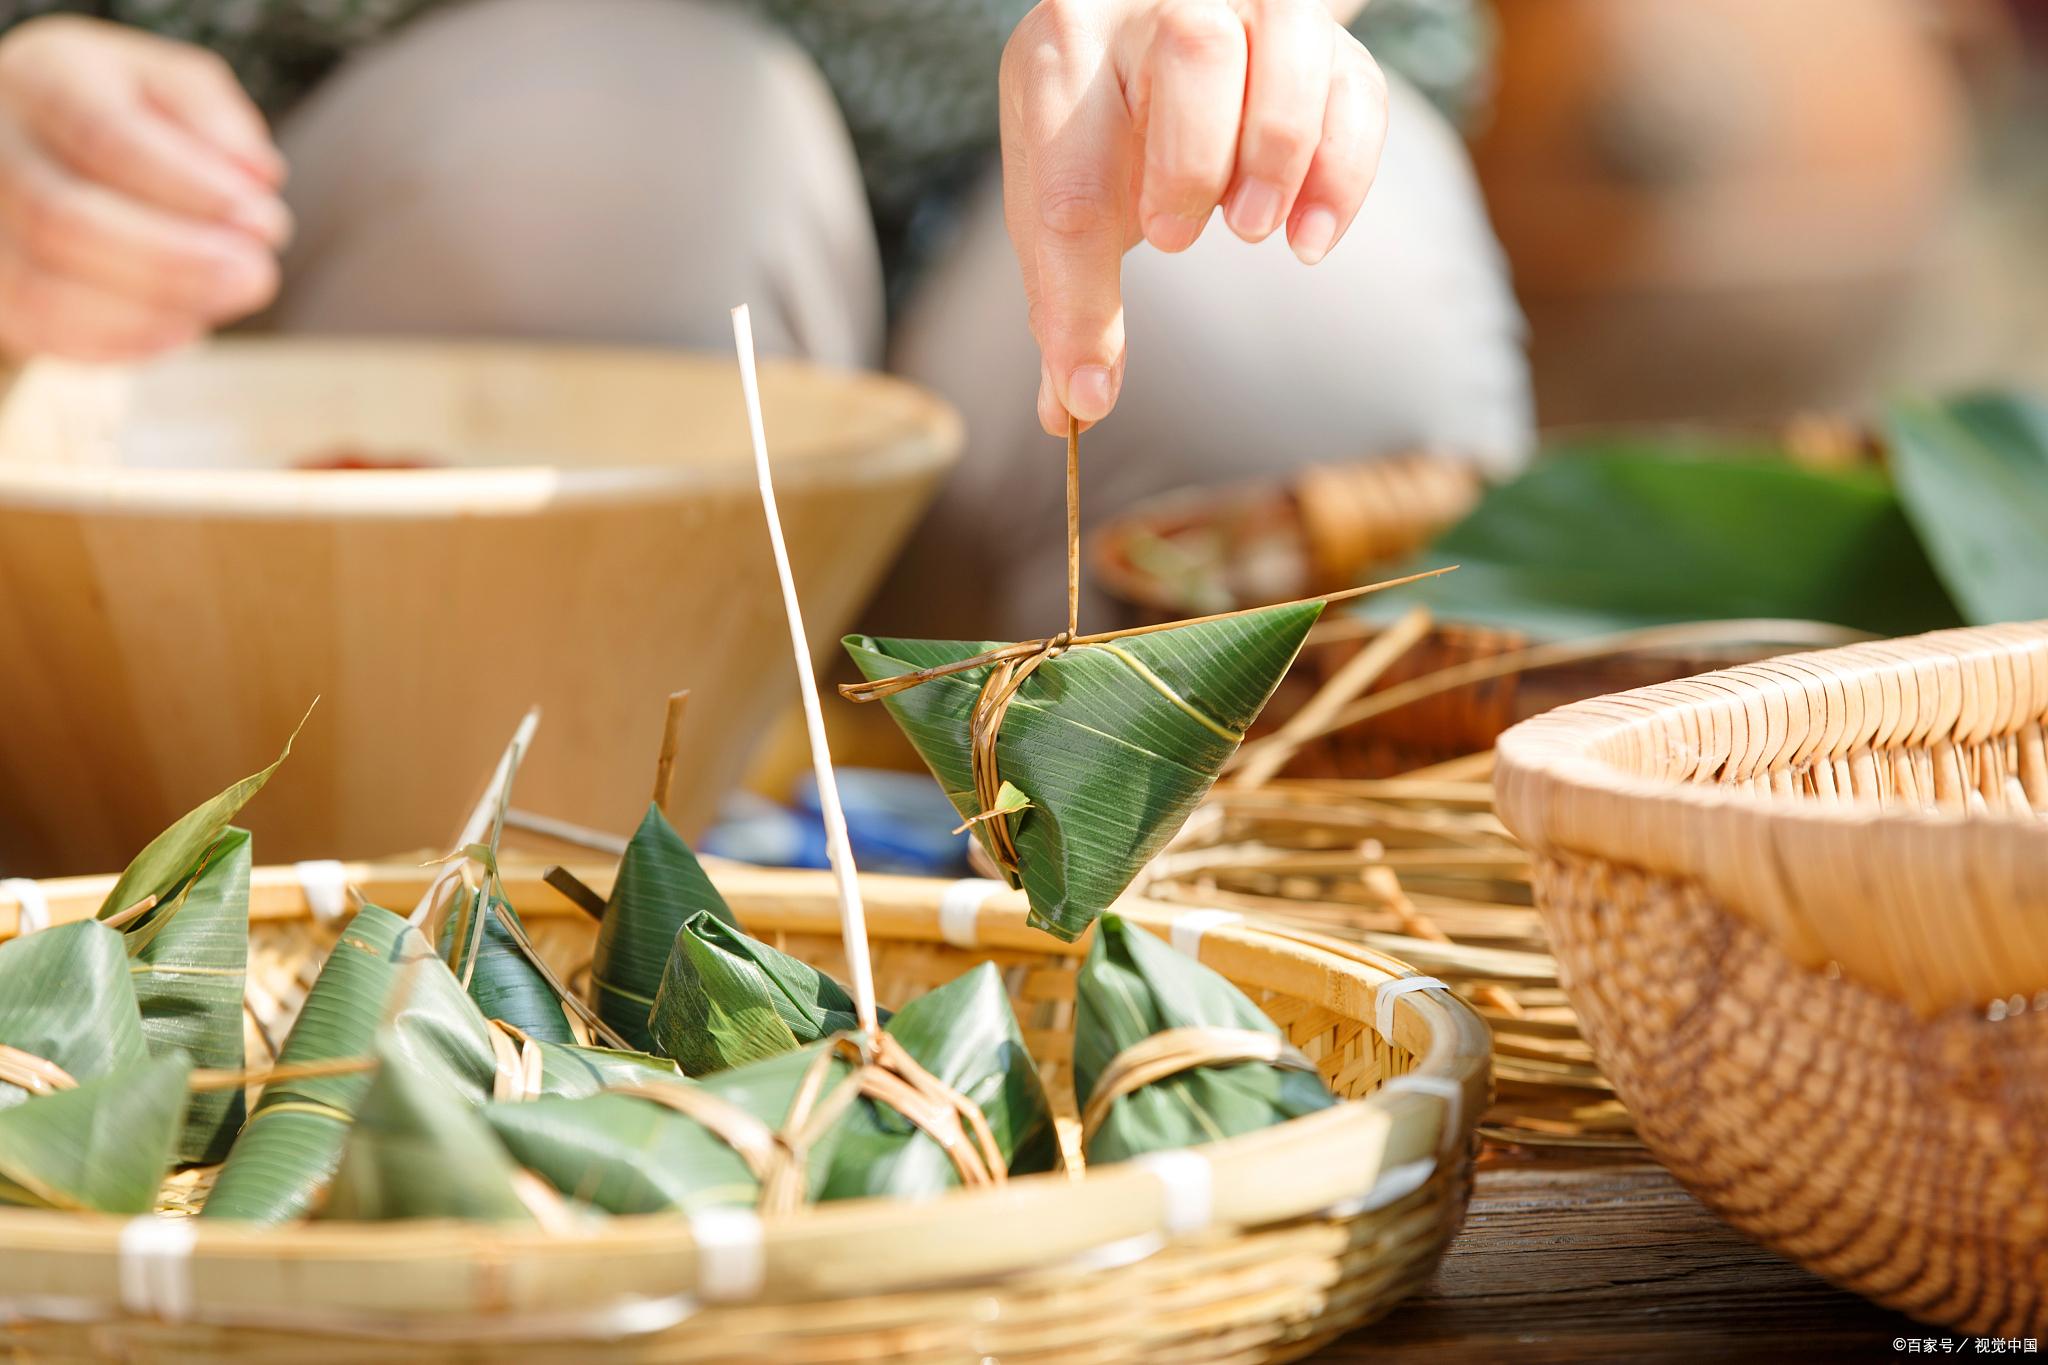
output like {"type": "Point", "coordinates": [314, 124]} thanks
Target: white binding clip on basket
{"type": "Point", "coordinates": [1383, 1000]}
{"type": "Point", "coordinates": [155, 1272]}
{"type": "Point", "coordinates": [732, 1264]}
{"type": "Point", "coordinates": [34, 905]}
{"type": "Point", "coordinates": [1443, 1088]}
{"type": "Point", "coordinates": [325, 884]}
{"type": "Point", "coordinates": [1190, 926]}
{"type": "Point", "coordinates": [960, 909]}
{"type": "Point", "coordinates": [1189, 1184]}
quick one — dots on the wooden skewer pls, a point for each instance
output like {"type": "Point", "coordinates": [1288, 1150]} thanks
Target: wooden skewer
{"type": "Point", "coordinates": [665, 766]}
{"type": "Point", "coordinates": [838, 846]}
{"type": "Point", "coordinates": [574, 891]}
{"type": "Point", "coordinates": [122, 918]}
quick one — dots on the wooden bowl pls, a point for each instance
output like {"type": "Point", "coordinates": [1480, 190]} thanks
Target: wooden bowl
{"type": "Point", "coordinates": [1802, 910]}
{"type": "Point", "coordinates": [174, 590]}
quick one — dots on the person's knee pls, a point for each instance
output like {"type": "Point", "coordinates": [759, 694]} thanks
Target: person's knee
{"type": "Point", "coordinates": [597, 169]}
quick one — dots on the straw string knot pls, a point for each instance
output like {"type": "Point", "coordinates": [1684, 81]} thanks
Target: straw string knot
{"type": "Point", "coordinates": [37, 1075]}
{"type": "Point", "coordinates": [1173, 1051]}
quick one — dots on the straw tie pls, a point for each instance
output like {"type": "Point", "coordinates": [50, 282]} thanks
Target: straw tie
{"type": "Point", "coordinates": [519, 1062]}
{"type": "Point", "coordinates": [1173, 1051]}
{"type": "Point", "coordinates": [34, 1074]}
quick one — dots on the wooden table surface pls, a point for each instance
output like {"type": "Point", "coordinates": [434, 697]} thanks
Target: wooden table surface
{"type": "Point", "coordinates": [1569, 1257]}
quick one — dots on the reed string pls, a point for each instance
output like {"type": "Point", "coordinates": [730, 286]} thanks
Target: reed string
{"type": "Point", "coordinates": [1173, 1051]}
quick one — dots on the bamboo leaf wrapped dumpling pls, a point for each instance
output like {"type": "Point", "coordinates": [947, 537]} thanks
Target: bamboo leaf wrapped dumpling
{"type": "Point", "coordinates": [1112, 744]}
{"type": "Point", "coordinates": [727, 999]}
{"type": "Point", "coordinates": [104, 1145]}
{"type": "Point", "coordinates": [1231, 1069]}
{"type": "Point", "coordinates": [504, 984]}
{"type": "Point", "coordinates": [67, 1000]}
{"type": "Point", "coordinates": [660, 886]}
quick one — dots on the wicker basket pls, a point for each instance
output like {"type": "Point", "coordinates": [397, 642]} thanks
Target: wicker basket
{"type": "Point", "coordinates": [1802, 909]}
{"type": "Point", "coordinates": [1257, 1248]}
{"type": "Point", "coordinates": [1334, 525]}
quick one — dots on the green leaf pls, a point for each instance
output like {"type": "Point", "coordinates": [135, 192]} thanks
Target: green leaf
{"type": "Point", "coordinates": [1618, 536]}
{"type": "Point", "coordinates": [1112, 745]}
{"type": "Point", "coordinates": [381, 973]}
{"type": "Point", "coordinates": [1133, 986]}
{"type": "Point", "coordinates": [966, 1034]}
{"type": "Point", "coordinates": [1973, 472]}
{"type": "Point", "coordinates": [104, 1146]}
{"type": "Point", "coordinates": [629, 1155]}
{"type": "Point", "coordinates": [659, 886]}
{"type": "Point", "coordinates": [572, 1071]}
{"type": "Point", "coordinates": [1009, 800]}
{"type": "Point", "coordinates": [727, 999]}
{"type": "Point", "coordinates": [66, 996]}
{"type": "Point", "coordinates": [502, 982]}
{"type": "Point", "coordinates": [171, 856]}
{"type": "Point", "coordinates": [189, 958]}
{"type": "Point", "coordinates": [420, 1149]}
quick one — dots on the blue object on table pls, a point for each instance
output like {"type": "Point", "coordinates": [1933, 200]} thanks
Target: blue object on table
{"type": "Point", "coordinates": [897, 822]}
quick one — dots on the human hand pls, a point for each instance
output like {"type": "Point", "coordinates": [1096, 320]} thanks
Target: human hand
{"type": "Point", "coordinates": [138, 193]}
{"type": "Point", "coordinates": [1133, 119]}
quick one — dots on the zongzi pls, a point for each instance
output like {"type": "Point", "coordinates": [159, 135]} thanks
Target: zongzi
{"type": "Point", "coordinates": [1109, 742]}
{"type": "Point", "coordinates": [660, 886]}
{"type": "Point", "coordinates": [103, 1145]}
{"type": "Point", "coordinates": [67, 1001]}
{"type": "Point", "coordinates": [727, 999]}
{"type": "Point", "coordinates": [1167, 1053]}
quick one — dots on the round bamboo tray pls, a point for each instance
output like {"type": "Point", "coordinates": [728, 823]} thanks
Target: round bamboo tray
{"type": "Point", "coordinates": [1214, 549]}
{"type": "Point", "coordinates": [1802, 909]}
{"type": "Point", "coordinates": [1261, 1247]}
{"type": "Point", "coordinates": [174, 590]}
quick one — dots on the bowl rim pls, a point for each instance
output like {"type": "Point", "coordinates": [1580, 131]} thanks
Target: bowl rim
{"type": "Point", "coordinates": [1392, 1143]}
{"type": "Point", "coordinates": [1817, 877]}
{"type": "Point", "coordinates": [930, 441]}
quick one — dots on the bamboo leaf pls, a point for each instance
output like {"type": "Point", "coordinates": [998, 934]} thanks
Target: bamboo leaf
{"type": "Point", "coordinates": [966, 1034]}
{"type": "Point", "coordinates": [189, 959]}
{"type": "Point", "coordinates": [1619, 534]}
{"type": "Point", "coordinates": [419, 1149]}
{"type": "Point", "coordinates": [623, 1154]}
{"type": "Point", "coordinates": [170, 857]}
{"type": "Point", "coordinates": [571, 1071]}
{"type": "Point", "coordinates": [502, 982]}
{"type": "Point", "coordinates": [1973, 473]}
{"type": "Point", "coordinates": [66, 996]}
{"type": "Point", "coordinates": [1111, 745]}
{"type": "Point", "coordinates": [727, 999]}
{"type": "Point", "coordinates": [1133, 986]}
{"type": "Point", "coordinates": [659, 886]}
{"type": "Point", "coordinates": [381, 973]}
{"type": "Point", "coordinates": [104, 1146]}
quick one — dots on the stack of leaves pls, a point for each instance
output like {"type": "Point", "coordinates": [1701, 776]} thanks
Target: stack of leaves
{"type": "Point", "coordinates": [659, 888]}
{"type": "Point", "coordinates": [1104, 750]}
{"type": "Point", "coordinates": [1169, 1054]}
{"type": "Point", "coordinates": [1618, 532]}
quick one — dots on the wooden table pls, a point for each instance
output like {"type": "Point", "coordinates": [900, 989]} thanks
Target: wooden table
{"type": "Point", "coordinates": [1571, 1257]}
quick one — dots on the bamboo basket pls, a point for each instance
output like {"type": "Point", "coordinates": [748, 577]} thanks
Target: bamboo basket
{"type": "Point", "coordinates": [1261, 1247]}
{"type": "Point", "coordinates": [1802, 909]}
{"type": "Point", "coordinates": [1332, 526]}
{"type": "Point", "coordinates": [174, 591]}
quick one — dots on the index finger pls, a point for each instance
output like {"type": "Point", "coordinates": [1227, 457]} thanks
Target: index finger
{"type": "Point", "coordinates": [1078, 178]}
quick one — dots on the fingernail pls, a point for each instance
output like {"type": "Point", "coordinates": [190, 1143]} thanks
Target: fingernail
{"type": "Point", "coordinates": [1255, 209]}
{"type": "Point", "coordinates": [268, 220]}
{"type": "Point", "coordinates": [1172, 231]}
{"type": "Point", "coordinates": [1088, 393]}
{"type": "Point", "coordinates": [1314, 231]}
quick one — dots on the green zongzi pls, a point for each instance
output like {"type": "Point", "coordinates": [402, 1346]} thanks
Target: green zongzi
{"type": "Point", "coordinates": [104, 1145]}
{"type": "Point", "coordinates": [67, 1000]}
{"type": "Point", "coordinates": [727, 999]}
{"type": "Point", "coordinates": [1167, 1053]}
{"type": "Point", "coordinates": [660, 886]}
{"type": "Point", "coordinates": [1109, 743]}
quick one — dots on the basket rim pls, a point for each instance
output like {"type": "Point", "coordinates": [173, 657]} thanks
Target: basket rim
{"type": "Point", "coordinates": [1843, 883]}
{"type": "Point", "coordinates": [929, 434]}
{"type": "Point", "coordinates": [435, 1270]}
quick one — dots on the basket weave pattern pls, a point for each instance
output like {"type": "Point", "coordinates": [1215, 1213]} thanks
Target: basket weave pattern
{"type": "Point", "coordinates": [1048, 1267]}
{"type": "Point", "coordinates": [1801, 908]}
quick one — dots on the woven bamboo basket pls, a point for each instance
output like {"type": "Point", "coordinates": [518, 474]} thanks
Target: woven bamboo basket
{"type": "Point", "coordinates": [1261, 1247]}
{"type": "Point", "coordinates": [1802, 909]}
{"type": "Point", "coordinates": [1332, 526]}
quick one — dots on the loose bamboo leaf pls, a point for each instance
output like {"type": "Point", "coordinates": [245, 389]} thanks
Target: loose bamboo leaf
{"type": "Point", "coordinates": [502, 982]}
{"type": "Point", "coordinates": [1133, 986]}
{"type": "Point", "coordinates": [66, 996]}
{"type": "Point", "coordinates": [1973, 473]}
{"type": "Point", "coordinates": [659, 886]}
{"type": "Point", "coordinates": [572, 1071]}
{"type": "Point", "coordinates": [288, 1150]}
{"type": "Point", "coordinates": [104, 1146]}
{"type": "Point", "coordinates": [727, 999]}
{"type": "Point", "coordinates": [171, 856]}
{"type": "Point", "coordinates": [419, 1149]}
{"type": "Point", "coordinates": [1615, 536]}
{"type": "Point", "coordinates": [1112, 745]}
{"type": "Point", "coordinates": [189, 958]}
{"type": "Point", "coordinates": [628, 1155]}
{"type": "Point", "coordinates": [966, 1034]}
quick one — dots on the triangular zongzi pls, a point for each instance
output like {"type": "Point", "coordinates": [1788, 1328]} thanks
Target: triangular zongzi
{"type": "Point", "coordinates": [504, 984]}
{"type": "Point", "coordinates": [1110, 744]}
{"type": "Point", "coordinates": [1134, 989]}
{"type": "Point", "coordinates": [104, 1145]}
{"type": "Point", "coordinates": [67, 999]}
{"type": "Point", "coordinates": [659, 886]}
{"type": "Point", "coordinates": [727, 999]}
